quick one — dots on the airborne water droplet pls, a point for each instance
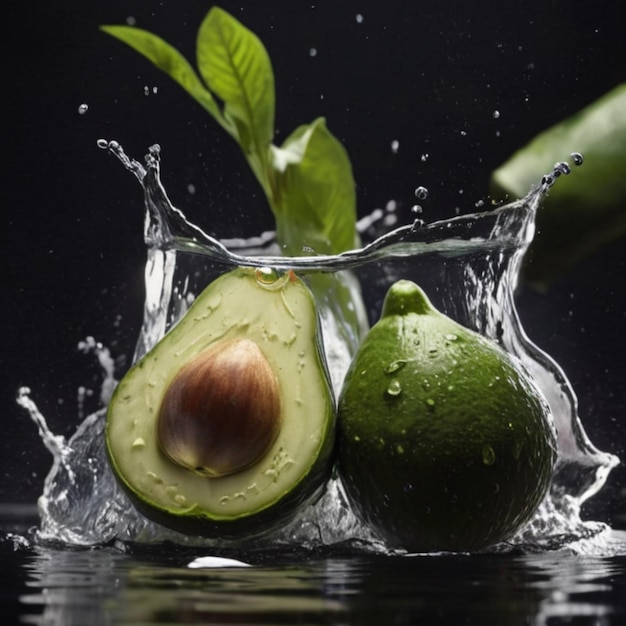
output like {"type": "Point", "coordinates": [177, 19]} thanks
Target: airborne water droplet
{"type": "Point", "coordinates": [577, 157]}
{"type": "Point", "coordinates": [561, 168]}
{"type": "Point", "coordinates": [83, 108]}
{"type": "Point", "coordinates": [421, 193]}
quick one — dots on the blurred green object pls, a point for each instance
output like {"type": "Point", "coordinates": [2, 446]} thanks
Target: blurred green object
{"type": "Point", "coordinates": [585, 210]}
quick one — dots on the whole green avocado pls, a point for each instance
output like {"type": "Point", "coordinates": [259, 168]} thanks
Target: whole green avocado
{"type": "Point", "coordinates": [444, 444]}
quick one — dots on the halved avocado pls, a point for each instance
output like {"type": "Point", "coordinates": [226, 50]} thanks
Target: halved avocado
{"type": "Point", "coordinates": [226, 427]}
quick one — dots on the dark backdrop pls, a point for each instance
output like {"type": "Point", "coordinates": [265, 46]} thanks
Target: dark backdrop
{"type": "Point", "coordinates": [428, 74]}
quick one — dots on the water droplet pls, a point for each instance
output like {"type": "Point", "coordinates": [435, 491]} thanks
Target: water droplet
{"type": "Point", "coordinates": [495, 114]}
{"type": "Point", "coordinates": [451, 337]}
{"type": "Point", "coordinates": [394, 388]}
{"type": "Point", "coordinates": [561, 168]}
{"type": "Point", "coordinates": [103, 144]}
{"type": "Point", "coordinates": [265, 275]}
{"type": "Point", "coordinates": [424, 157]}
{"type": "Point", "coordinates": [421, 193]}
{"type": "Point", "coordinates": [489, 456]}
{"type": "Point", "coordinates": [359, 18]}
{"type": "Point", "coordinates": [430, 402]}
{"type": "Point", "coordinates": [394, 366]}
{"type": "Point", "coordinates": [496, 487]}
{"type": "Point", "coordinates": [408, 488]}
{"type": "Point", "coordinates": [577, 157]}
{"type": "Point", "coordinates": [312, 52]}
{"type": "Point", "coordinates": [83, 108]}
{"type": "Point", "coordinates": [400, 450]}
{"type": "Point", "coordinates": [395, 146]}
{"type": "Point", "coordinates": [416, 208]}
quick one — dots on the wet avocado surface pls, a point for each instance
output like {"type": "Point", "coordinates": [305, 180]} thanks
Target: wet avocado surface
{"type": "Point", "coordinates": [279, 315]}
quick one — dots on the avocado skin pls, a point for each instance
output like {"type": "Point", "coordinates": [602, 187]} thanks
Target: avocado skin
{"type": "Point", "coordinates": [264, 519]}
{"type": "Point", "coordinates": [422, 467]}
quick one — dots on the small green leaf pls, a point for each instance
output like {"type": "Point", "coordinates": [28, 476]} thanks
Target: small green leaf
{"type": "Point", "coordinates": [169, 60]}
{"type": "Point", "coordinates": [314, 192]}
{"type": "Point", "coordinates": [236, 67]}
{"type": "Point", "coordinates": [584, 210]}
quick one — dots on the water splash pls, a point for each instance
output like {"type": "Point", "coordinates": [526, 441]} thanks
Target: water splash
{"type": "Point", "coordinates": [477, 257]}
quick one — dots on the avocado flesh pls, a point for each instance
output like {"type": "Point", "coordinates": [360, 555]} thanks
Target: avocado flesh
{"type": "Point", "coordinates": [281, 318]}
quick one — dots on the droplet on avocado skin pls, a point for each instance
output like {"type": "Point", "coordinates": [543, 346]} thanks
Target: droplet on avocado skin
{"type": "Point", "coordinates": [489, 455]}
{"type": "Point", "coordinates": [394, 388]}
{"type": "Point", "coordinates": [395, 366]}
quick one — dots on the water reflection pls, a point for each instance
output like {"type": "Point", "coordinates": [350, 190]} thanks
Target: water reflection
{"type": "Point", "coordinates": [112, 586]}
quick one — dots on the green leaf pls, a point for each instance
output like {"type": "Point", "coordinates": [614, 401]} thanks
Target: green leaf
{"type": "Point", "coordinates": [235, 65]}
{"type": "Point", "coordinates": [314, 192]}
{"type": "Point", "coordinates": [584, 210]}
{"type": "Point", "coordinates": [168, 59]}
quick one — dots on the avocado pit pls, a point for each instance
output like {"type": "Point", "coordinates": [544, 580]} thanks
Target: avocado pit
{"type": "Point", "coordinates": [222, 411]}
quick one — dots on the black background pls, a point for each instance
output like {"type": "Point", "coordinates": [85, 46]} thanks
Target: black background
{"type": "Point", "coordinates": [427, 74]}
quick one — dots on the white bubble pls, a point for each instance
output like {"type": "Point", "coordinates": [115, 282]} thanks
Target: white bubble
{"type": "Point", "coordinates": [359, 18]}
{"type": "Point", "coordinates": [83, 108]}
{"type": "Point", "coordinates": [395, 145]}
